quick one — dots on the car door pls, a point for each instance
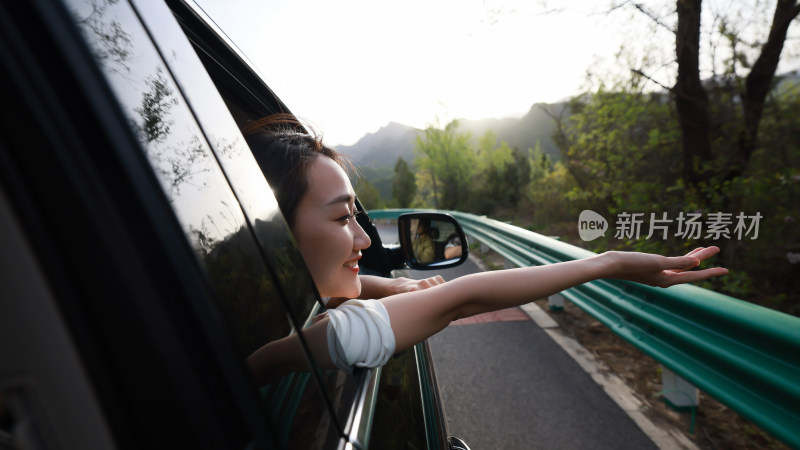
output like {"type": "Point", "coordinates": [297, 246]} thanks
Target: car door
{"type": "Point", "coordinates": [165, 276]}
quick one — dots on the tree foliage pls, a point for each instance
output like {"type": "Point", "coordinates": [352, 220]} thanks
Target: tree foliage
{"type": "Point", "coordinates": [505, 172]}
{"type": "Point", "coordinates": [622, 154]}
{"type": "Point", "coordinates": [447, 156]}
{"type": "Point", "coordinates": [621, 149]}
{"type": "Point", "coordinates": [719, 135]}
{"type": "Point", "coordinates": [692, 100]}
{"type": "Point", "coordinates": [367, 194]}
{"type": "Point", "coordinates": [727, 142]}
{"type": "Point", "coordinates": [404, 184]}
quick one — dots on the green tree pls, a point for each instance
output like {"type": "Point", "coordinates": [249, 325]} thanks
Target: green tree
{"type": "Point", "coordinates": [553, 213]}
{"type": "Point", "coordinates": [493, 160]}
{"type": "Point", "coordinates": [727, 159]}
{"type": "Point", "coordinates": [692, 99]}
{"type": "Point", "coordinates": [623, 149]}
{"type": "Point", "coordinates": [540, 164]}
{"type": "Point", "coordinates": [504, 173]}
{"type": "Point", "coordinates": [448, 157]}
{"type": "Point", "coordinates": [518, 175]}
{"type": "Point", "coordinates": [367, 194]}
{"type": "Point", "coordinates": [404, 185]}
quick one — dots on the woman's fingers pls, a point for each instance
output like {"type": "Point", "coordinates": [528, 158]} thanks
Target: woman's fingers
{"type": "Point", "coordinates": [692, 253]}
{"type": "Point", "coordinates": [695, 251]}
{"type": "Point", "coordinates": [700, 254]}
{"type": "Point", "coordinates": [681, 263]}
{"type": "Point", "coordinates": [695, 275]}
{"type": "Point", "coordinates": [685, 275]}
{"type": "Point", "coordinates": [426, 283]}
{"type": "Point", "coordinates": [433, 281]}
{"type": "Point", "coordinates": [706, 252]}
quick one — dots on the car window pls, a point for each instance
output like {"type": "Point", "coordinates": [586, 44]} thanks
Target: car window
{"type": "Point", "coordinates": [249, 294]}
{"type": "Point", "coordinates": [399, 421]}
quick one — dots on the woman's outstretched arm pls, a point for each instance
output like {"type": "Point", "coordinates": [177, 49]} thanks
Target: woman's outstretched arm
{"type": "Point", "coordinates": [417, 315]}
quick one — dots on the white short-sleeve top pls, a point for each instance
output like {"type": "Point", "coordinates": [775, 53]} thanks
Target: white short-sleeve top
{"type": "Point", "coordinates": [360, 334]}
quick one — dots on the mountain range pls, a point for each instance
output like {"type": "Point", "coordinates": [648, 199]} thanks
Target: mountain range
{"type": "Point", "coordinates": [376, 153]}
{"type": "Point", "coordinates": [383, 147]}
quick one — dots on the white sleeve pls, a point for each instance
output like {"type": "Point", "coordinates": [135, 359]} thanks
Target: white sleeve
{"type": "Point", "coordinates": [360, 334]}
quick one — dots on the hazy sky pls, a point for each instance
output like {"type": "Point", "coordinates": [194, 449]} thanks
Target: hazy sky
{"type": "Point", "coordinates": [350, 67]}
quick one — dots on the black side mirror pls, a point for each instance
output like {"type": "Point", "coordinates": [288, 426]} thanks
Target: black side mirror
{"type": "Point", "coordinates": [431, 240]}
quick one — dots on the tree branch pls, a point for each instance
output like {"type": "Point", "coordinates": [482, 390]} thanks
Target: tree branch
{"type": "Point", "coordinates": [653, 17]}
{"type": "Point", "coordinates": [642, 74]}
{"type": "Point", "coordinates": [616, 7]}
{"type": "Point", "coordinates": [759, 80]}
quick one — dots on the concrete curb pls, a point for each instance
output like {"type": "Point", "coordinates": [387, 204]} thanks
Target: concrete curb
{"type": "Point", "coordinates": [665, 438]}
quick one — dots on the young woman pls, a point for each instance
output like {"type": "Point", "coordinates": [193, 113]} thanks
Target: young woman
{"type": "Point", "coordinates": [315, 196]}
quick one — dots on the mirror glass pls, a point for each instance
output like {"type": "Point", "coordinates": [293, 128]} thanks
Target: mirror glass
{"type": "Point", "coordinates": [431, 240]}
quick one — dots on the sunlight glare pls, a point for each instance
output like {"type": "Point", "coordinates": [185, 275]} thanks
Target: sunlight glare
{"type": "Point", "coordinates": [351, 68]}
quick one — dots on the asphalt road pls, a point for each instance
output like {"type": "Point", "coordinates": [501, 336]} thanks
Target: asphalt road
{"type": "Point", "coordinates": [507, 385]}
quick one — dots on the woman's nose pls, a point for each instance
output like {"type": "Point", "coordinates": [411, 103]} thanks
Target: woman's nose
{"type": "Point", "coordinates": [360, 240]}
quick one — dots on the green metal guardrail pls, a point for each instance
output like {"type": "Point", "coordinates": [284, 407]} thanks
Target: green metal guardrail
{"type": "Point", "coordinates": [744, 355]}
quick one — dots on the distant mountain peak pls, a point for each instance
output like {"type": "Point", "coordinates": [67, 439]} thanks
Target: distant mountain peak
{"type": "Point", "coordinates": [394, 125]}
{"type": "Point", "coordinates": [382, 147]}
{"type": "Point", "coordinates": [394, 140]}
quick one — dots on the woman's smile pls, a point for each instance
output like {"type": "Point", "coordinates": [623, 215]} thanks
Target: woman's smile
{"type": "Point", "coordinates": [353, 264]}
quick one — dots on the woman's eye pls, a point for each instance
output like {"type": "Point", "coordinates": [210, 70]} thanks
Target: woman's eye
{"type": "Point", "coordinates": [346, 218]}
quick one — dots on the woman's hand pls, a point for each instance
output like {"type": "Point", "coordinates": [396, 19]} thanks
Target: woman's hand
{"type": "Point", "coordinates": [401, 284]}
{"type": "Point", "coordinates": [373, 287]}
{"type": "Point", "coordinates": [657, 270]}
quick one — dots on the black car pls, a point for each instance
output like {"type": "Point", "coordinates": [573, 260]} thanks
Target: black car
{"type": "Point", "coordinates": [144, 257]}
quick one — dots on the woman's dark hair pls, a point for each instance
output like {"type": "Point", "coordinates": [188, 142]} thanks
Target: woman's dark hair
{"type": "Point", "coordinates": [284, 151]}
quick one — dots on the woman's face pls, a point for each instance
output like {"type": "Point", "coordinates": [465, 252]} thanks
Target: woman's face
{"type": "Point", "coordinates": [326, 231]}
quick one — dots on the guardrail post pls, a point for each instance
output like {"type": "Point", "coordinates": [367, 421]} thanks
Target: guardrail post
{"type": "Point", "coordinates": [556, 302]}
{"type": "Point", "coordinates": [679, 394]}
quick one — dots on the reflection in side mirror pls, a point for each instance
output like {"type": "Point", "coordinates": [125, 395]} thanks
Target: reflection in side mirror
{"type": "Point", "coordinates": [431, 240]}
